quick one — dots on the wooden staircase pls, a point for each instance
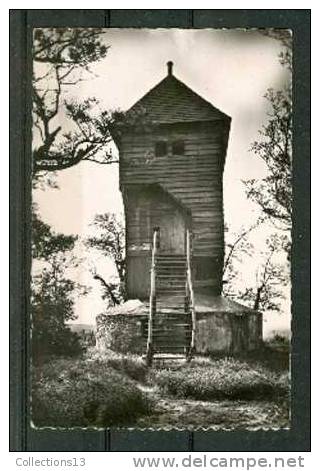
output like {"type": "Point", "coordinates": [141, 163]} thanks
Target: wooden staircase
{"type": "Point", "coordinates": [171, 325]}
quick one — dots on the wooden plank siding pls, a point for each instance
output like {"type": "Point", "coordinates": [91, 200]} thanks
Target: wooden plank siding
{"type": "Point", "coordinates": [193, 179]}
{"type": "Point", "coordinates": [144, 210]}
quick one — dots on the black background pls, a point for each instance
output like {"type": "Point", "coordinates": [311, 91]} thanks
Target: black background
{"type": "Point", "coordinates": [22, 436]}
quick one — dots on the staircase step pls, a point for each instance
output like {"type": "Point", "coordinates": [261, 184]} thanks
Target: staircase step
{"type": "Point", "coordinates": [181, 349]}
{"type": "Point", "coordinates": [167, 350]}
{"type": "Point", "coordinates": [176, 331]}
{"type": "Point", "coordinates": [169, 307]}
{"type": "Point", "coordinates": [171, 259]}
{"type": "Point", "coordinates": [169, 356]}
{"type": "Point", "coordinates": [169, 276]}
{"type": "Point", "coordinates": [172, 289]}
{"type": "Point", "coordinates": [168, 285]}
{"type": "Point", "coordinates": [171, 281]}
{"type": "Point", "coordinates": [173, 322]}
{"type": "Point", "coordinates": [163, 289]}
{"type": "Point", "coordinates": [181, 319]}
{"type": "Point", "coordinates": [178, 258]}
{"type": "Point", "coordinates": [173, 328]}
{"type": "Point", "coordinates": [163, 357]}
{"type": "Point", "coordinates": [172, 341]}
{"type": "Point", "coordinates": [171, 255]}
{"type": "Point", "coordinates": [174, 316]}
{"type": "Point", "coordinates": [170, 269]}
{"type": "Point", "coordinates": [169, 343]}
{"type": "Point", "coordinates": [177, 298]}
{"type": "Point", "coordinates": [170, 326]}
{"type": "Point", "coordinates": [171, 313]}
{"type": "Point", "coordinates": [179, 312]}
{"type": "Point", "coordinates": [167, 312]}
{"type": "Point", "coordinates": [165, 262]}
{"type": "Point", "coordinates": [171, 347]}
{"type": "Point", "coordinates": [177, 334]}
{"type": "Point", "coordinates": [173, 262]}
{"type": "Point", "coordinates": [170, 266]}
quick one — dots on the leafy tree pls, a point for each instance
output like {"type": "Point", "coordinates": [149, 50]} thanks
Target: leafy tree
{"type": "Point", "coordinates": [111, 290]}
{"type": "Point", "coordinates": [53, 292]}
{"type": "Point", "coordinates": [110, 240]}
{"type": "Point", "coordinates": [52, 306]}
{"type": "Point", "coordinates": [273, 193]}
{"type": "Point", "coordinates": [271, 277]}
{"type": "Point", "coordinates": [62, 58]}
{"type": "Point", "coordinates": [45, 242]}
{"type": "Point", "coordinates": [237, 247]}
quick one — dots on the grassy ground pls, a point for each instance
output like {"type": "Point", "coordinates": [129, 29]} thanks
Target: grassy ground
{"type": "Point", "coordinates": [217, 415]}
{"type": "Point", "coordinates": [220, 394]}
{"type": "Point", "coordinates": [110, 390]}
{"type": "Point", "coordinates": [85, 392]}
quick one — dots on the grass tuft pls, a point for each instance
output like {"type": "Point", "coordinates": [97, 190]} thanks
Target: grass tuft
{"type": "Point", "coordinates": [221, 379]}
{"type": "Point", "coordinates": [83, 393]}
{"type": "Point", "coordinates": [132, 366]}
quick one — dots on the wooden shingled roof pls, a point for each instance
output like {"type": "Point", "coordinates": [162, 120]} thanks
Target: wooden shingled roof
{"type": "Point", "coordinates": [171, 101]}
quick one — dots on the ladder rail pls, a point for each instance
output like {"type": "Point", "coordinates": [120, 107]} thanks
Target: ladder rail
{"type": "Point", "coordinates": [191, 298]}
{"type": "Point", "coordinates": [158, 336]}
{"type": "Point", "coordinates": [153, 295]}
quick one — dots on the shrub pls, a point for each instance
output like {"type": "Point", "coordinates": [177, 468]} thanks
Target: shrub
{"type": "Point", "coordinates": [132, 366]}
{"type": "Point", "coordinates": [84, 393]}
{"type": "Point", "coordinates": [60, 341]}
{"type": "Point", "coordinates": [222, 379]}
{"type": "Point", "coordinates": [278, 340]}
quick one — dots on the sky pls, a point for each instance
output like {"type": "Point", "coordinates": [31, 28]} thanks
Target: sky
{"type": "Point", "coordinates": [232, 69]}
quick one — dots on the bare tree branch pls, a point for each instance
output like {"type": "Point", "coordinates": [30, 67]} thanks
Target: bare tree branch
{"type": "Point", "coordinates": [66, 54]}
{"type": "Point", "coordinates": [274, 192]}
{"type": "Point", "coordinates": [234, 245]}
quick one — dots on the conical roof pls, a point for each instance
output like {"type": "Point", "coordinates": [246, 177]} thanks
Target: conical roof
{"type": "Point", "coordinates": [171, 101]}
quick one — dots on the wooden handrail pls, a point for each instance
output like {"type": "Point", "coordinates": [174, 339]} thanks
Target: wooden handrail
{"type": "Point", "coordinates": [191, 296]}
{"type": "Point", "coordinates": [153, 298]}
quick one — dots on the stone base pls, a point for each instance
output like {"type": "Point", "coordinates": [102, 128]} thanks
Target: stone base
{"type": "Point", "coordinates": [223, 327]}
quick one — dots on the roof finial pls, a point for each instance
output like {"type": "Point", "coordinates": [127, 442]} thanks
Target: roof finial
{"type": "Point", "coordinates": [170, 66]}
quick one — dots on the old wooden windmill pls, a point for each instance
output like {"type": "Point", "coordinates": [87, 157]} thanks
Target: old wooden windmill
{"type": "Point", "coordinates": [171, 178]}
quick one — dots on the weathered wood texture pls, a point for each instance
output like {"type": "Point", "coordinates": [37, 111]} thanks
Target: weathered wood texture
{"type": "Point", "coordinates": [148, 207]}
{"type": "Point", "coordinates": [138, 276]}
{"type": "Point", "coordinates": [145, 209]}
{"type": "Point", "coordinates": [194, 180]}
{"type": "Point", "coordinates": [153, 297]}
